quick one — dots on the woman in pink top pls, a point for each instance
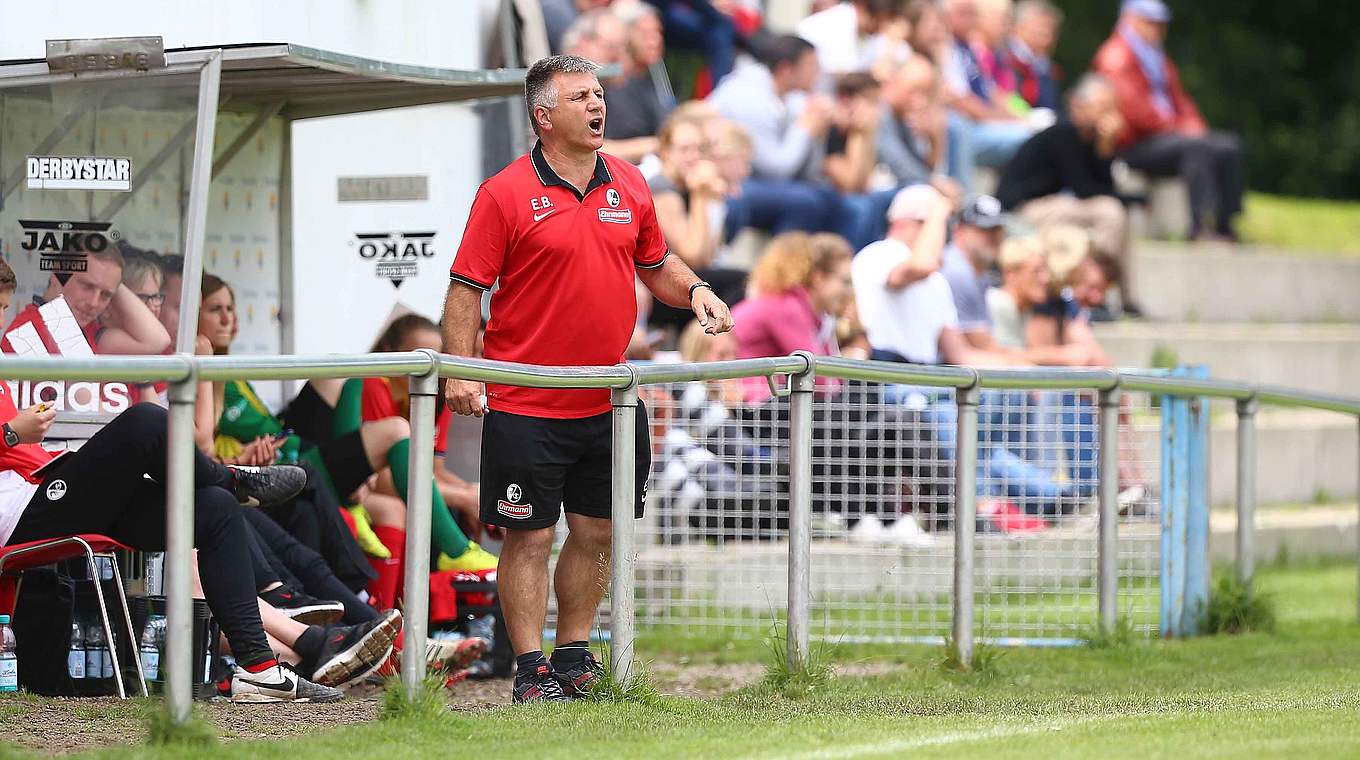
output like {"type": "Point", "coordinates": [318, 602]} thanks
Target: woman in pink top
{"type": "Point", "coordinates": [797, 288]}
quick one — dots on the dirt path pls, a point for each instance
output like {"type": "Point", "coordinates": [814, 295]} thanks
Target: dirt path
{"type": "Point", "coordinates": [61, 726]}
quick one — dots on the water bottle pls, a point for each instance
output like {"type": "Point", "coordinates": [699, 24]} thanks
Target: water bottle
{"type": "Point", "coordinates": [153, 639]}
{"type": "Point", "coordinates": [483, 627]}
{"type": "Point", "coordinates": [9, 663]}
{"type": "Point", "coordinates": [75, 658]}
{"type": "Point", "coordinates": [94, 651]}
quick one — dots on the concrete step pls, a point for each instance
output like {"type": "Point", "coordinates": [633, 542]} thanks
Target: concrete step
{"type": "Point", "coordinates": [1189, 282]}
{"type": "Point", "coordinates": [1314, 533]}
{"type": "Point", "coordinates": [1302, 455]}
{"type": "Point", "coordinates": [1315, 357]}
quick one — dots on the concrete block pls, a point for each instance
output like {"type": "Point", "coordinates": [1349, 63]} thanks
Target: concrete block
{"type": "Point", "coordinates": [1216, 283]}
{"type": "Point", "coordinates": [1315, 357]}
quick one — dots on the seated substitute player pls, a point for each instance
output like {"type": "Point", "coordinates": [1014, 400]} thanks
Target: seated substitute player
{"type": "Point", "coordinates": [565, 230]}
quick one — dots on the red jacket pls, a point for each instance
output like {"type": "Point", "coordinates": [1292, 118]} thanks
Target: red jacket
{"type": "Point", "coordinates": [1116, 62]}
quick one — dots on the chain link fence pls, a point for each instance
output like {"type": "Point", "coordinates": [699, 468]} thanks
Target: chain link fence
{"type": "Point", "coordinates": [712, 550]}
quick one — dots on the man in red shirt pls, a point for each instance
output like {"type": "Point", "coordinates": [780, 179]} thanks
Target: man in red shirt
{"type": "Point", "coordinates": [565, 229]}
{"type": "Point", "coordinates": [1164, 132]}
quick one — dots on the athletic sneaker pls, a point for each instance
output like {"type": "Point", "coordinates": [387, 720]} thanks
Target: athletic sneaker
{"type": "Point", "coordinates": [351, 652]}
{"type": "Point", "coordinates": [278, 684]}
{"type": "Point", "coordinates": [303, 608]}
{"type": "Point", "coordinates": [474, 560]}
{"type": "Point", "coordinates": [580, 677]}
{"type": "Point", "coordinates": [449, 656]}
{"type": "Point", "coordinates": [540, 686]}
{"type": "Point", "coordinates": [267, 486]}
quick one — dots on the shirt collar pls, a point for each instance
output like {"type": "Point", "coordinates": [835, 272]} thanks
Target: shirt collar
{"type": "Point", "coordinates": [547, 176]}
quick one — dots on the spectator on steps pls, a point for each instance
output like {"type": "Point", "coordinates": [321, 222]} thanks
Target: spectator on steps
{"type": "Point", "coordinates": [781, 194]}
{"type": "Point", "coordinates": [983, 130]}
{"type": "Point", "coordinates": [1062, 320]}
{"type": "Point", "coordinates": [913, 134]}
{"type": "Point", "coordinates": [1062, 174]}
{"type": "Point", "coordinates": [773, 101]}
{"type": "Point", "coordinates": [1164, 133]}
{"type": "Point", "coordinates": [1029, 53]}
{"type": "Point", "coordinates": [709, 27]}
{"type": "Point", "coordinates": [637, 107]}
{"type": "Point", "coordinates": [967, 264]}
{"type": "Point", "coordinates": [797, 288]}
{"type": "Point", "coordinates": [690, 198]}
{"type": "Point", "coordinates": [862, 36]}
{"type": "Point", "coordinates": [906, 304]}
{"type": "Point", "coordinates": [558, 15]}
{"type": "Point", "coordinates": [988, 43]}
{"type": "Point", "coordinates": [851, 150]}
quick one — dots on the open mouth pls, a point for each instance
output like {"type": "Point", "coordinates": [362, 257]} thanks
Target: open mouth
{"type": "Point", "coordinates": [596, 126]}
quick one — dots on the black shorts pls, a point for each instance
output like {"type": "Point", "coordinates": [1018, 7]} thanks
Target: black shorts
{"type": "Point", "coordinates": [533, 467]}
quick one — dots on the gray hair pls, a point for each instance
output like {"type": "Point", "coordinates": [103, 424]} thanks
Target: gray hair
{"type": "Point", "coordinates": [1087, 85]}
{"type": "Point", "coordinates": [1026, 8]}
{"type": "Point", "coordinates": [631, 13]}
{"type": "Point", "coordinates": [539, 89]}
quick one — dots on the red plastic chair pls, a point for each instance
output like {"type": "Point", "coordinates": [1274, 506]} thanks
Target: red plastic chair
{"type": "Point", "coordinates": [17, 558]}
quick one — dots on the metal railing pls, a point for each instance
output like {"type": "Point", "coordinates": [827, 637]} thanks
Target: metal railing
{"type": "Point", "coordinates": [791, 376]}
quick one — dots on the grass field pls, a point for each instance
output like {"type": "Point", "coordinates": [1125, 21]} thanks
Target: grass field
{"type": "Point", "coordinates": [1302, 224]}
{"type": "Point", "coordinates": [1291, 693]}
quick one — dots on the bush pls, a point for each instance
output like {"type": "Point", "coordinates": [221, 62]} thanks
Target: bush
{"type": "Point", "coordinates": [428, 703]}
{"type": "Point", "coordinates": [1123, 635]}
{"type": "Point", "coordinates": [1233, 608]}
{"type": "Point", "coordinates": [638, 689]}
{"type": "Point", "coordinates": [986, 658]}
{"type": "Point", "coordinates": [798, 681]}
{"type": "Point", "coordinates": [161, 731]}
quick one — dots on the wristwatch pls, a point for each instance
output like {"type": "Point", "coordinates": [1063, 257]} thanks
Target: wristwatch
{"type": "Point", "coordinates": [11, 437]}
{"type": "Point", "coordinates": [696, 286]}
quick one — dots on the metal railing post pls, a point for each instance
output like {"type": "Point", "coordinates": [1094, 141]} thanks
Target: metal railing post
{"type": "Point", "coordinates": [416, 593]}
{"type": "Point", "coordinates": [178, 663]}
{"type": "Point", "coordinates": [965, 517]}
{"type": "Point", "coordinates": [1246, 491]}
{"type": "Point", "coordinates": [800, 517]}
{"type": "Point", "coordinates": [1107, 542]}
{"type": "Point", "coordinates": [623, 497]}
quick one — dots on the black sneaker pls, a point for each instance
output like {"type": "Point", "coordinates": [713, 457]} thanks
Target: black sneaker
{"type": "Point", "coordinates": [305, 609]}
{"type": "Point", "coordinates": [279, 683]}
{"type": "Point", "coordinates": [352, 652]}
{"type": "Point", "coordinates": [267, 486]}
{"type": "Point", "coordinates": [578, 678]}
{"type": "Point", "coordinates": [540, 686]}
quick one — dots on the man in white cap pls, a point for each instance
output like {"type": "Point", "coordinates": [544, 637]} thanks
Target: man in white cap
{"type": "Point", "coordinates": [904, 302]}
{"type": "Point", "coordinates": [1164, 133]}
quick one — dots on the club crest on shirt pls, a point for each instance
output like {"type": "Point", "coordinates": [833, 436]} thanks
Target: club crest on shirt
{"type": "Point", "coordinates": [612, 196]}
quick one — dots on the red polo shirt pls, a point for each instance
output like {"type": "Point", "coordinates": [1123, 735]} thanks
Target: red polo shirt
{"type": "Point", "coordinates": [26, 457]}
{"type": "Point", "coordinates": [565, 262]}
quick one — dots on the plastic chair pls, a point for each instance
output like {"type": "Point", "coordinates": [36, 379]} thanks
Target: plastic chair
{"type": "Point", "coordinates": [16, 558]}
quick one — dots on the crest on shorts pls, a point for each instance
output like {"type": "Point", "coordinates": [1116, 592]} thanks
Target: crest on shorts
{"type": "Point", "coordinates": [510, 506]}
{"type": "Point", "coordinates": [56, 489]}
{"type": "Point", "coordinates": [612, 196]}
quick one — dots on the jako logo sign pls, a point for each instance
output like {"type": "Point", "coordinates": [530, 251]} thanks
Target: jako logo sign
{"type": "Point", "coordinates": [62, 245]}
{"type": "Point", "coordinates": [397, 254]}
